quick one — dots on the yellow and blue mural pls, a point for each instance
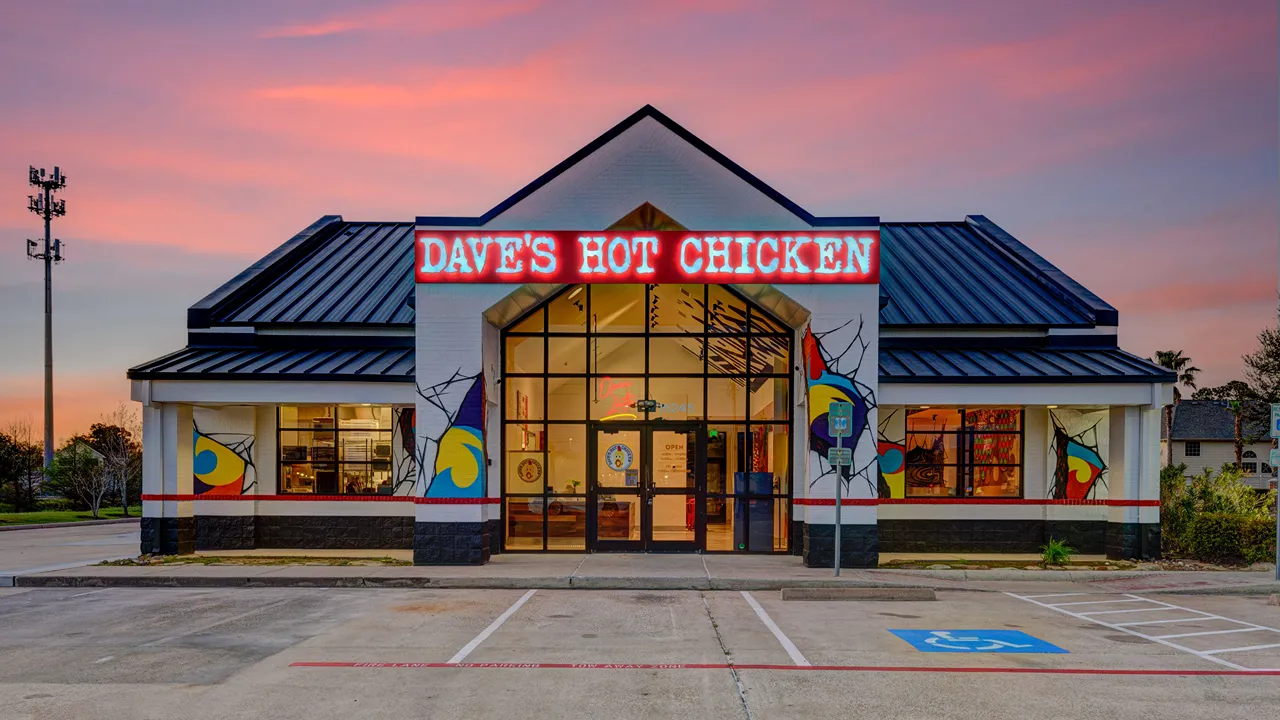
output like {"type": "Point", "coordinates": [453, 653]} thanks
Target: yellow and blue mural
{"type": "Point", "coordinates": [893, 459]}
{"type": "Point", "coordinates": [460, 453]}
{"type": "Point", "coordinates": [826, 385]}
{"type": "Point", "coordinates": [220, 467]}
{"type": "Point", "coordinates": [1079, 465]}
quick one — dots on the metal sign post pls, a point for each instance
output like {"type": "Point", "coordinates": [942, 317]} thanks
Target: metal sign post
{"type": "Point", "coordinates": [839, 422]}
{"type": "Point", "coordinates": [1275, 434]}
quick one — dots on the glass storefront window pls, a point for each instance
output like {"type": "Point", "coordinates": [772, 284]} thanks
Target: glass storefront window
{"type": "Point", "coordinates": [727, 356]}
{"type": "Point", "coordinates": [531, 324]}
{"type": "Point", "coordinates": [726, 398]}
{"type": "Point", "coordinates": [769, 356]}
{"type": "Point", "coordinates": [524, 398]}
{"type": "Point", "coordinates": [726, 312]}
{"type": "Point", "coordinates": [964, 453]}
{"type": "Point", "coordinates": [678, 398]}
{"type": "Point", "coordinates": [567, 313]}
{"type": "Point", "coordinates": [616, 355]}
{"type": "Point", "coordinates": [769, 399]}
{"type": "Point", "coordinates": [675, 355]}
{"type": "Point", "coordinates": [566, 398]}
{"type": "Point", "coordinates": [566, 355]}
{"type": "Point", "coordinates": [524, 354]}
{"type": "Point", "coordinates": [614, 398]}
{"type": "Point", "coordinates": [677, 309]}
{"type": "Point", "coordinates": [335, 450]}
{"type": "Point", "coordinates": [567, 459]}
{"type": "Point", "coordinates": [617, 308]}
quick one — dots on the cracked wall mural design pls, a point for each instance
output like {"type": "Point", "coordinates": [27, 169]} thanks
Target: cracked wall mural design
{"type": "Point", "coordinates": [893, 457]}
{"type": "Point", "coordinates": [404, 464]}
{"type": "Point", "coordinates": [833, 360]}
{"type": "Point", "coordinates": [1077, 450]}
{"type": "Point", "coordinates": [221, 462]}
{"type": "Point", "coordinates": [453, 449]}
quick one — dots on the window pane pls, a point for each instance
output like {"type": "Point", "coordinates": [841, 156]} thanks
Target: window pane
{"type": "Point", "coordinates": [356, 479]}
{"type": "Point", "coordinates": [567, 523]}
{"type": "Point", "coordinates": [726, 454]}
{"type": "Point", "coordinates": [760, 518]}
{"type": "Point", "coordinates": [676, 354]}
{"type": "Point", "coordinates": [525, 463]}
{"type": "Point", "coordinates": [524, 523]}
{"type": "Point", "coordinates": [567, 355]}
{"type": "Point", "coordinates": [997, 448]}
{"type": "Point", "coordinates": [524, 398]}
{"type": "Point", "coordinates": [994, 419]}
{"type": "Point", "coordinates": [678, 398]}
{"type": "Point", "coordinates": [770, 458]}
{"type": "Point", "coordinates": [627, 444]}
{"type": "Point", "coordinates": [781, 525]}
{"type": "Point", "coordinates": [617, 308]}
{"type": "Point", "coordinates": [307, 478]}
{"type": "Point", "coordinates": [364, 417]}
{"type": "Point", "coordinates": [926, 419]}
{"type": "Point", "coordinates": [726, 313]}
{"type": "Point", "coordinates": [931, 481]}
{"type": "Point", "coordinates": [533, 323]}
{"type": "Point", "coordinates": [614, 398]}
{"type": "Point", "coordinates": [931, 449]}
{"type": "Point", "coordinates": [726, 398]}
{"type": "Point", "coordinates": [762, 322]}
{"type": "Point", "coordinates": [304, 446]}
{"type": "Point", "coordinates": [997, 481]}
{"type": "Point", "coordinates": [617, 516]}
{"type": "Point", "coordinates": [769, 356]}
{"type": "Point", "coordinates": [720, 523]}
{"type": "Point", "coordinates": [676, 308]}
{"type": "Point", "coordinates": [568, 312]}
{"type": "Point", "coordinates": [675, 458]}
{"type": "Point", "coordinates": [567, 457]}
{"type": "Point", "coordinates": [566, 398]}
{"type": "Point", "coordinates": [364, 446]}
{"type": "Point", "coordinates": [727, 356]}
{"type": "Point", "coordinates": [616, 355]}
{"type": "Point", "coordinates": [674, 518]}
{"type": "Point", "coordinates": [524, 354]}
{"type": "Point", "coordinates": [319, 417]}
{"type": "Point", "coordinates": [769, 400]}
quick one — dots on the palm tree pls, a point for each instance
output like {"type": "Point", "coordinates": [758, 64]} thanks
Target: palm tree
{"type": "Point", "coordinates": [1181, 365]}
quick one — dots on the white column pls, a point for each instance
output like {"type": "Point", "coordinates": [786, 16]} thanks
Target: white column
{"type": "Point", "coordinates": [177, 529]}
{"type": "Point", "coordinates": [152, 474]}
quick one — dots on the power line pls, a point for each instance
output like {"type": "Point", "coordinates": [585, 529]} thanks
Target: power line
{"type": "Point", "coordinates": [44, 205]}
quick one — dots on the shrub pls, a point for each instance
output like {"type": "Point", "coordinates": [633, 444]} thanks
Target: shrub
{"type": "Point", "coordinates": [1055, 552]}
{"type": "Point", "coordinates": [60, 504]}
{"type": "Point", "coordinates": [1258, 541]}
{"type": "Point", "coordinates": [1216, 537]}
{"type": "Point", "coordinates": [1213, 516]}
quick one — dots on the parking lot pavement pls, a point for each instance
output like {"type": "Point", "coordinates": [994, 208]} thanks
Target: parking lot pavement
{"type": "Point", "coordinates": [45, 549]}
{"type": "Point", "coordinates": [339, 653]}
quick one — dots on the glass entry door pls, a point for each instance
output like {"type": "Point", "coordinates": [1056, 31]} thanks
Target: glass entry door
{"type": "Point", "coordinates": [649, 487]}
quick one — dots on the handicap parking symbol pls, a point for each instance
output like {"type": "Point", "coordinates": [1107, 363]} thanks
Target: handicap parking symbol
{"type": "Point", "coordinates": [971, 641]}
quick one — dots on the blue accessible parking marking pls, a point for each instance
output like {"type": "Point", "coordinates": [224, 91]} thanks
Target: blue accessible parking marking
{"type": "Point", "coordinates": [971, 641]}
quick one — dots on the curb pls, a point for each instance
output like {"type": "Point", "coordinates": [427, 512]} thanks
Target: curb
{"type": "Point", "coordinates": [74, 523]}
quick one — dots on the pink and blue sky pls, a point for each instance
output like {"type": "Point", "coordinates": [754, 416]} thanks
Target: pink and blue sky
{"type": "Point", "coordinates": [1133, 144]}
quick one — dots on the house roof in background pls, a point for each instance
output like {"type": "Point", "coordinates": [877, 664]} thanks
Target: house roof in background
{"type": "Point", "coordinates": [1209, 420]}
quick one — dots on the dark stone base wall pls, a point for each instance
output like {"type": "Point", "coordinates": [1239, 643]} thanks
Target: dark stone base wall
{"type": "Point", "coordinates": [993, 536]}
{"type": "Point", "coordinates": [451, 543]}
{"type": "Point", "coordinates": [797, 537]}
{"type": "Point", "coordinates": [226, 532]}
{"type": "Point", "coordinates": [494, 528]}
{"type": "Point", "coordinates": [173, 536]}
{"type": "Point", "coordinates": [343, 532]}
{"type": "Point", "coordinates": [1133, 541]}
{"type": "Point", "coordinates": [859, 546]}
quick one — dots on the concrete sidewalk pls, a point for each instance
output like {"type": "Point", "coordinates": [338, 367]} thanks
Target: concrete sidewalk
{"type": "Point", "coordinates": [644, 572]}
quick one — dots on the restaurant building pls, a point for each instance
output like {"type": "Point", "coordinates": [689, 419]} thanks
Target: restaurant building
{"type": "Point", "coordinates": [637, 352]}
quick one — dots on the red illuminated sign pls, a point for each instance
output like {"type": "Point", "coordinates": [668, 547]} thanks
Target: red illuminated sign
{"type": "Point", "coordinates": [561, 256]}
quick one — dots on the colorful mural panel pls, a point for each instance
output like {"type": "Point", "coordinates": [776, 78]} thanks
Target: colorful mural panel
{"type": "Point", "coordinates": [458, 461]}
{"type": "Point", "coordinates": [827, 384]}
{"type": "Point", "coordinates": [220, 462]}
{"type": "Point", "coordinates": [1079, 467]}
{"type": "Point", "coordinates": [892, 453]}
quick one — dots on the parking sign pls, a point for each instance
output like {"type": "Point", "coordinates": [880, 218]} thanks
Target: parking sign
{"type": "Point", "coordinates": [1275, 420]}
{"type": "Point", "coordinates": [839, 417]}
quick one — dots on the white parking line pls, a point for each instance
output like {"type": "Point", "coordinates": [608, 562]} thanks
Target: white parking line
{"type": "Point", "coordinates": [1197, 616]}
{"type": "Point", "coordinates": [1095, 602]}
{"type": "Point", "coordinates": [1028, 597]}
{"type": "Point", "coordinates": [484, 634]}
{"type": "Point", "coordinates": [796, 656]}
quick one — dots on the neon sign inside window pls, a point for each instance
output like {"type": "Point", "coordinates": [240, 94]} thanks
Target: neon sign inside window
{"type": "Point", "coordinates": [838, 256]}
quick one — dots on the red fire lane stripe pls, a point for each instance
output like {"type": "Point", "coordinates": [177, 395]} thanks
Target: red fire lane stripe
{"type": "Point", "coordinates": [329, 498]}
{"type": "Point", "coordinates": [973, 501]}
{"type": "Point", "coordinates": [792, 668]}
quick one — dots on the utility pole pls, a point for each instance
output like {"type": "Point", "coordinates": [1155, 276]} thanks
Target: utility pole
{"type": "Point", "coordinates": [43, 204]}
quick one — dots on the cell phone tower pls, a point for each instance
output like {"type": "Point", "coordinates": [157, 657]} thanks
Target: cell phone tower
{"type": "Point", "coordinates": [44, 205]}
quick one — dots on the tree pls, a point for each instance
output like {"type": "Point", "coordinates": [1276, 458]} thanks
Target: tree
{"type": "Point", "coordinates": [1262, 366]}
{"type": "Point", "coordinates": [1250, 412]}
{"type": "Point", "coordinates": [116, 438]}
{"type": "Point", "coordinates": [77, 473]}
{"type": "Point", "coordinates": [1181, 365]}
{"type": "Point", "coordinates": [20, 464]}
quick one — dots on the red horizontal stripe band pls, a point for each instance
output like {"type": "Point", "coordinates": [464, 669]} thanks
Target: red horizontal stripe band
{"type": "Point", "coordinates": [456, 501]}
{"type": "Point", "coordinates": [844, 502]}
{"type": "Point", "coordinates": [326, 498]}
{"type": "Point", "coordinates": [794, 668]}
{"type": "Point", "coordinates": [976, 501]}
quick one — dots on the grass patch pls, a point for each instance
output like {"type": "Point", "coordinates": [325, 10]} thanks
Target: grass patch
{"type": "Point", "coordinates": [39, 517]}
{"type": "Point", "coordinates": [257, 560]}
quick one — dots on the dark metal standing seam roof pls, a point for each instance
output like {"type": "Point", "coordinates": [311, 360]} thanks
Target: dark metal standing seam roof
{"type": "Point", "coordinates": [1017, 365]}
{"type": "Point", "coordinates": [346, 272]}
{"type": "Point", "coordinates": [952, 274]}
{"type": "Point", "coordinates": [212, 363]}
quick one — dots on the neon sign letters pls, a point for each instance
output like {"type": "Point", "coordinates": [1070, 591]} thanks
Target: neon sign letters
{"type": "Point", "coordinates": [836, 256]}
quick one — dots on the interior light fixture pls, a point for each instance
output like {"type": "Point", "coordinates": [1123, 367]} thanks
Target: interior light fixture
{"type": "Point", "coordinates": [1051, 406]}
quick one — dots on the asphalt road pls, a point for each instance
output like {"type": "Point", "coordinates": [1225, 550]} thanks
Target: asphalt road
{"type": "Point", "coordinates": [26, 551]}
{"type": "Point", "coordinates": [347, 653]}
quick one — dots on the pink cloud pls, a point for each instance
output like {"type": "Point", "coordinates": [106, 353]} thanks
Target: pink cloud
{"type": "Point", "coordinates": [410, 18]}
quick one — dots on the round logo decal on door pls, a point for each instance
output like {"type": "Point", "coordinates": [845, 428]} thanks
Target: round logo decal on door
{"type": "Point", "coordinates": [529, 470]}
{"type": "Point", "coordinates": [618, 457]}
